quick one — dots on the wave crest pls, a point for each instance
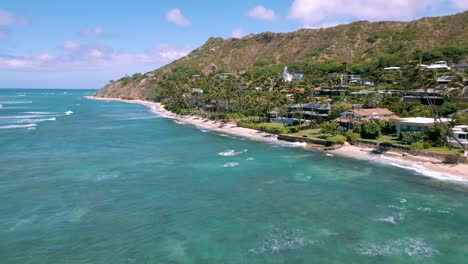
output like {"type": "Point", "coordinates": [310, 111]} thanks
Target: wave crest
{"type": "Point", "coordinates": [231, 153]}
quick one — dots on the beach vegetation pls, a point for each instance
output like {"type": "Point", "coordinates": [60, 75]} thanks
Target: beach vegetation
{"type": "Point", "coordinates": [420, 145]}
{"type": "Point", "coordinates": [331, 127]}
{"type": "Point", "coordinates": [337, 139]}
{"type": "Point", "coordinates": [412, 136]}
{"type": "Point", "coordinates": [351, 136]}
{"type": "Point", "coordinates": [370, 130]}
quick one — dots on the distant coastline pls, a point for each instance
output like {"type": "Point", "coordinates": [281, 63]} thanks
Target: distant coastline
{"type": "Point", "coordinates": [428, 166]}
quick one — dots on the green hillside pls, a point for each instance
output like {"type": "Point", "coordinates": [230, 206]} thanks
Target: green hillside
{"type": "Point", "coordinates": [364, 47]}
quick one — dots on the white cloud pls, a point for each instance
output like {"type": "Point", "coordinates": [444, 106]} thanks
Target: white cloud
{"type": "Point", "coordinates": [238, 33]}
{"type": "Point", "coordinates": [460, 4]}
{"type": "Point", "coordinates": [166, 53]}
{"type": "Point", "coordinates": [260, 12]}
{"type": "Point", "coordinates": [175, 16]}
{"type": "Point", "coordinates": [91, 57]}
{"type": "Point", "coordinates": [10, 19]}
{"type": "Point", "coordinates": [311, 12]}
{"type": "Point", "coordinates": [92, 32]}
{"type": "Point", "coordinates": [7, 18]}
{"type": "Point", "coordinates": [71, 45]}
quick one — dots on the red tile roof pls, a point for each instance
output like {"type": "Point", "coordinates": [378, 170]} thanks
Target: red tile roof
{"type": "Point", "coordinates": [288, 90]}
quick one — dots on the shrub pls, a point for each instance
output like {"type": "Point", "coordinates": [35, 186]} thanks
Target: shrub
{"type": "Point", "coordinates": [417, 145]}
{"type": "Point", "coordinates": [324, 136]}
{"type": "Point", "coordinates": [293, 130]}
{"type": "Point", "coordinates": [370, 130]}
{"type": "Point", "coordinates": [436, 135]}
{"type": "Point", "coordinates": [412, 136]}
{"type": "Point", "coordinates": [338, 139]}
{"type": "Point", "coordinates": [330, 127]}
{"type": "Point", "coordinates": [388, 126]}
{"type": "Point", "coordinates": [183, 112]}
{"type": "Point", "coordinates": [351, 136]}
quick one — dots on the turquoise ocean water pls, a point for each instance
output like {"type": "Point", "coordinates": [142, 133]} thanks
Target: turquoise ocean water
{"type": "Point", "coordinates": [85, 181]}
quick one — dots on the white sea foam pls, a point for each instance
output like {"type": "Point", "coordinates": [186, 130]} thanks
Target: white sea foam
{"type": "Point", "coordinates": [18, 117]}
{"type": "Point", "coordinates": [231, 152]}
{"type": "Point", "coordinates": [18, 126]}
{"type": "Point", "coordinates": [424, 209]}
{"type": "Point", "coordinates": [16, 102]}
{"type": "Point", "coordinates": [279, 241]}
{"type": "Point", "coordinates": [40, 113]}
{"type": "Point", "coordinates": [231, 164]}
{"type": "Point", "coordinates": [402, 200]}
{"type": "Point", "coordinates": [432, 174]}
{"type": "Point", "coordinates": [68, 113]}
{"type": "Point", "coordinates": [291, 144]}
{"type": "Point", "coordinates": [23, 222]}
{"type": "Point", "coordinates": [413, 247]}
{"type": "Point", "coordinates": [107, 176]}
{"type": "Point", "coordinates": [1, 106]}
{"type": "Point", "coordinates": [389, 219]}
{"type": "Point", "coordinates": [250, 159]}
{"type": "Point", "coordinates": [36, 120]}
{"type": "Point", "coordinates": [180, 122]}
{"type": "Point", "coordinates": [329, 155]}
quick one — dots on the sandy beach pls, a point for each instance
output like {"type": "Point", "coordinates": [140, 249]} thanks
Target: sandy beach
{"type": "Point", "coordinates": [424, 165]}
{"type": "Point", "coordinates": [226, 128]}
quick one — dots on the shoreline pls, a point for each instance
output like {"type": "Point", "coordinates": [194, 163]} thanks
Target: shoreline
{"type": "Point", "coordinates": [426, 166]}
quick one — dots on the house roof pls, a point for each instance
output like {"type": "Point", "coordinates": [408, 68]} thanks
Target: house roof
{"type": "Point", "coordinates": [372, 111]}
{"type": "Point", "coordinates": [288, 90]}
{"type": "Point", "coordinates": [419, 120]}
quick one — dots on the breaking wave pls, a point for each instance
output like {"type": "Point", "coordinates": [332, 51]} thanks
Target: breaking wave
{"type": "Point", "coordinates": [431, 174]}
{"type": "Point", "coordinates": [17, 102]}
{"type": "Point", "coordinates": [231, 152]}
{"type": "Point", "coordinates": [18, 126]}
{"type": "Point", "coordinates": [36, 120]}
{"type": "Point", "coordinates": [68, 113]}
{"type": "Point", "coordinates": [279, 241]}
{"type": "Point", "coordinates": [413, 247]}
{"type": "Point", "coordinates": [231, 165]}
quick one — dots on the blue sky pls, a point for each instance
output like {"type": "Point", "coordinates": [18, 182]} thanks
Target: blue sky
{"type": "Point", "coordinates": [83, 44]}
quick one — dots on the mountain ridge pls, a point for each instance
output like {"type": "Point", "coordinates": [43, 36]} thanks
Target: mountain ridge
{"type": "Point", "coordinates": [359, 42]}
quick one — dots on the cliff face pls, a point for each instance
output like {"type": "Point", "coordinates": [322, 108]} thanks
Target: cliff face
{"type": "Point", "coordinates": [358, 42]}
{"type": "Point", "coordinates": [132, 89]}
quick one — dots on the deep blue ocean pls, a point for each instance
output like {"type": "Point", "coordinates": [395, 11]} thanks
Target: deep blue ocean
{"type": "Point", "coordinates": [84, 181]}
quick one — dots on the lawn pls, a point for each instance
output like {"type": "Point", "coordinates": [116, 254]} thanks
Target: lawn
{"type": "Point", "coordinates": [387, 139]}
{"type": "Point", "coordinates": [446, 150]}
{"type": "Point", "coordinates": [313, 133]}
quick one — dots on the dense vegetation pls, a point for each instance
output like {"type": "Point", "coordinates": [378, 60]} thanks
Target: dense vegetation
{"type": "Point", "coordinates": [240, 79]}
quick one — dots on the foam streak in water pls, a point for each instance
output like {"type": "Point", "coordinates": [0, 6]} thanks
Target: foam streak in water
{"type": "Point", "coordinates": [18, 126]}
{"type": "Point", "coordinates": [231, 153]}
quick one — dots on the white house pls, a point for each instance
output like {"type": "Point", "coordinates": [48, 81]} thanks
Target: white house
{"type": "Point", "coordinates": [461, 135]}
{"type": "Point", "coordinates": [437, 66]}
{"type": "Point", "coordinates": [287, 77]}
{"type": "Point", "coordinates": [416, 123]}
{"type": "Point", "coordinates": [394, 68]}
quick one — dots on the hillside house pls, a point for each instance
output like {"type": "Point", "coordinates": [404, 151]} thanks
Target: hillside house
{"type": "Point", "coordinates": [349, 118]}
{"type": "Point", "coordinates": [416, 123]}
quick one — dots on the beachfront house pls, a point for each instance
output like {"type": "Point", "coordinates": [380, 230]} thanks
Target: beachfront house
{"type": "Point", "coordinates": [310, 111]}
{"type": "Point", "coordinates": [416, 123]}
{"type": "Point", "coordinates": [350, 118]}
{"type": "Point", "coordinates": [460, 137]}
